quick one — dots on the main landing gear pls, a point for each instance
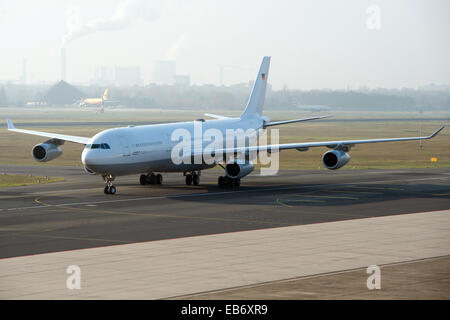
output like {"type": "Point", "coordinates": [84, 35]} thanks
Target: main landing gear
{"type": "Point", "coordinates": [109, 188]}
{"type": "Point", "coordinates": [192, 178]}
{"type": "Point", "coordinates": [151, 179]}
{"type": "Point", "coordinates": [225, 181]}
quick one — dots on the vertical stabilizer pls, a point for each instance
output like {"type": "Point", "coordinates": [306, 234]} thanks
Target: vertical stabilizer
{"type": "Point", "coordinates": [105, 95]}
{"type": "Point", "coordinates": [256, 101]}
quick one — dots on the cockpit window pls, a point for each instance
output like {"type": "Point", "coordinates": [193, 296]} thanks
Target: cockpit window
{"type": "Point", "coordinates": [98, 146]}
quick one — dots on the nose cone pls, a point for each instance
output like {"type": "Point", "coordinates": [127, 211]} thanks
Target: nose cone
{"type": "Point", "coordinates": [90, 161]}
{"type": "Point", "coordinates": [86, 157]}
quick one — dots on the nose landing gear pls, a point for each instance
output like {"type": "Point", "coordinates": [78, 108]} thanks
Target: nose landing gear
{"type": "Point", "coordinates": [109, 188]}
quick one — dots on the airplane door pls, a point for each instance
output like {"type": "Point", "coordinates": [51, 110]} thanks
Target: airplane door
{"type": "Point", "coordinates": [125, 147]}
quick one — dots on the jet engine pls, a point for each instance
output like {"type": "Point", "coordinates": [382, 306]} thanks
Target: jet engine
{"type": "Point", "coordinates": [46, 151]}
{"type": "Point", "coordinates": [335, 159]}
{"type": "Point", "coordinates": [237, 170]}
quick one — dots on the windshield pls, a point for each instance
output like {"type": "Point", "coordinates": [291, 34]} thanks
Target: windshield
{"type": "Point", "coordinates": [98, 146]}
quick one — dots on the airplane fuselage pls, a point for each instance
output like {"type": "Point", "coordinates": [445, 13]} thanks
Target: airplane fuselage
{"type": "Point", "coordinates": [93, 101]}
{"type": "Point", "coordinates": [148, 148]}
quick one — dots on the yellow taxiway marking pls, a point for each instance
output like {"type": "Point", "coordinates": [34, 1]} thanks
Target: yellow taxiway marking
{"type": "Point", "coordinates": [38, 200]}
{"type": "Point", "coordinates": [305, 196]}
{"type": "Point", "coordinates": [329, 197]}
{"type": "Point", "coordinates": [375, 188]}
{"type": "Point", "coordinates": [282, 203]}
{"type": "Point", "coordinates": [303, 200]}
{"type": "Point", "coordinates": [40, 235]}
{"type": "Point", "coordinates": [350, 191]}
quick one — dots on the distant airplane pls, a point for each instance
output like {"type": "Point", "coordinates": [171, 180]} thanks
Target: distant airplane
{"type": "Point", "coordinates": [98, 102]}
{"type": "Point", "coordinates": [313, 107]}
{"type": "Point", "coordinates": [148, 149]}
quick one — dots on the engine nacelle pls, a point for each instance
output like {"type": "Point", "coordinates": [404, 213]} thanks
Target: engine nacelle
{"type": "Point", "coordinates": [45, 152]}
{"type": "Point", "coordinates": [335, 159]}
{"type": "Point", "coordinates": [237, 170]}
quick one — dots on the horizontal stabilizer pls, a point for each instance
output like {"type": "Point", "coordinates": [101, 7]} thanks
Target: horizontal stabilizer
{"type": "Point", "coordinates": [215, 116]}
{"type": "Point", "coordinates": [277, 123]}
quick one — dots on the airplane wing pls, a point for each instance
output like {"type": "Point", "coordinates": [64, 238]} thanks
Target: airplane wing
{"type": "Point", "coordinates": [64, 137]}
{"type": "Point", "coordinates": [303, 146]}
{"type": "Point", "coordinates": [276, 123]}
{"type": "Point", "coordinates": [216, 116]}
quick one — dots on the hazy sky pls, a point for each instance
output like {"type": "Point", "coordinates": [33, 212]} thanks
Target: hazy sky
{"type": "Point", "coordinates": [313, 44]}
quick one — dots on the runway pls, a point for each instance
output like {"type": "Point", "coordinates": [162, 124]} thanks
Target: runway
{"type": "Point", "coordinates": [75, 214]}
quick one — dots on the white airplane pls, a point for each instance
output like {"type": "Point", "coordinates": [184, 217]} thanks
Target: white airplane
{"type": "Point", "coordinates": [147, 149]}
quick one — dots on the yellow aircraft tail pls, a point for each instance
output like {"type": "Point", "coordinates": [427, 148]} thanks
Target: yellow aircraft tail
{"type": "Point", "coordinates": [105, 95]}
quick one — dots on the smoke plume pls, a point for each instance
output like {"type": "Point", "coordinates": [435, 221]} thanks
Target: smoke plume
{"type": "Point", "coordinates": [174, 49]}
{"type": "Point", "coordinates": [126, 14]}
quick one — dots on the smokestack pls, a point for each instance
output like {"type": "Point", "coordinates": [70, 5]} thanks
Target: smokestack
{"type": "Point", "coordinates": [63, 64]}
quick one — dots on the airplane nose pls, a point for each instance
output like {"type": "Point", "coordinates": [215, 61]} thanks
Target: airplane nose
{"type": "Point", "coordinates": [88, 160]}
{"type": "Point", "coordinates": [86, 157]}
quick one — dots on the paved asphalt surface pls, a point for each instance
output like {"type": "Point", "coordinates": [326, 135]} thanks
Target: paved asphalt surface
{"type": "Point", "coordinates": [76, 214]}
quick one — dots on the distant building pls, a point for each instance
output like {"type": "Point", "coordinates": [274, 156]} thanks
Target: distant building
{"type": "Point", "coordinates": [165, 72]}
{"type": "Point", "coordinates": [182, 80]}
{"type": "Point", "coordinates": [128, 76]}
{"type": "Point", "coordinates": [101, 76]}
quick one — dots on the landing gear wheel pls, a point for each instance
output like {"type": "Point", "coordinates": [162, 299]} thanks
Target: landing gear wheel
{"type": "Point", "coordinates": [196, 179]}
{"type": "Point", "coordinates": [188, 179]}
{"type": "Point", "coordinates": [143, 179]}
{"type": "Point", "coordinates": [158, 179]}
{"type": "Point", "coordinates": [109, 188]}
{"type": "Point", "coordinates": [221, 182]}
{"type": "Point", "coordinates": [225, 181]}
{"type": "Point", "coordinates": [152, 179]}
